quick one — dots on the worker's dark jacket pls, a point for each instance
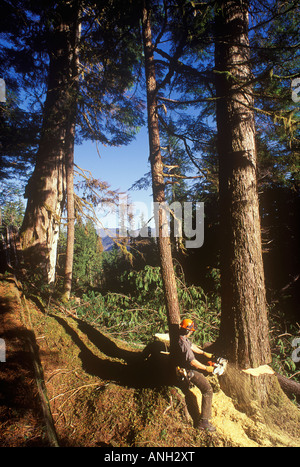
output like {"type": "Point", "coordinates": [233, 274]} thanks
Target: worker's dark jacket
{"type": "Point", "coordinates": [184, 357]}
{"type": "Point", "coordinates": [184, 353]}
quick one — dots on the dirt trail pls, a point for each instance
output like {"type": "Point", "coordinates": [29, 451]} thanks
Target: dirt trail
{"type": "Point", "coordinates": [21, 417]}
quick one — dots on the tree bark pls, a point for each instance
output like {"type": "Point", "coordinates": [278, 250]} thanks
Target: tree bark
{"type": "Point", "coordinates": [69, 161]}
{"type": "Point", "coordinates": [158, 184]}
{"type": "Point", "coordinates": [70, 214]}
{"type": "Point", "coordinates": [244, 323]}
{"type": "Point", "coordinates": [46, 190]}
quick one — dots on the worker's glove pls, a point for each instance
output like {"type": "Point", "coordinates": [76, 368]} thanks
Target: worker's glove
{"type": "Point", "coordinates": [208, 355]}
{"type": "Point", "coordinates": [209, 369]}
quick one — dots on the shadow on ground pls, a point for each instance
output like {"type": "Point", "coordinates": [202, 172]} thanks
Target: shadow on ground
{"type": "Point", "coordinates": [134, 369]}
{"type": "Point", "coordinates": [149, 368]}
{"type": "Point", "coordinates": [21, 417]}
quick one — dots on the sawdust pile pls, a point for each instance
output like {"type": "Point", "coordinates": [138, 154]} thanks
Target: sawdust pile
{"type": "Point", "coordinates": [236, 429]}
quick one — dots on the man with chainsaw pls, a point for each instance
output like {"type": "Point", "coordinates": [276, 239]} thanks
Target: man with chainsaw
{"type": "Point", "coordinates": [192, 369]}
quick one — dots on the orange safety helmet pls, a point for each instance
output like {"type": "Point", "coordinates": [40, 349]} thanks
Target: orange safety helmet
{"type": "Point", "coordinates": [188, 324]}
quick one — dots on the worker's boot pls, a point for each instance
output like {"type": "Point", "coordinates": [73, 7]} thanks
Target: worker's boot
{"type": "Point", "coordinates": [204, 424]}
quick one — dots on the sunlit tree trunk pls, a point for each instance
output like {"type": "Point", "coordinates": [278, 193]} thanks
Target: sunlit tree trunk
{"type": "Point", "coordinates": [158, 185]}
{"type": "Point", "coordinates": [69, 161]}
{"type": "Point", "coordinates": [46, 190]}
{"type": "Point", "coordinates": [244, 329]}
{"type": "Point", "coordinates": [244, 323]}
{"type": "Point", "coordinates": [70, 214]}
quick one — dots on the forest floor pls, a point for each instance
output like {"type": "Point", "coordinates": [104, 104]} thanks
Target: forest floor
{"type": "Point", "coordinates": [99, 391]}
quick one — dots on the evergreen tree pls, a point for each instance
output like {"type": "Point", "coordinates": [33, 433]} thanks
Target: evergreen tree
{"type": "Point", "coordinates": [12, 207]}
{"type": "Point", "coordinates": [46, 190]}
{"type": "Point", "coordinates": [87, 256]}
{"type": "Point", "coordinates": [244, 325]}
{"type": "Point", "coordinates": [101, 108]}
{"type": "Point", "coordinates": [158, 182]}
{"type": "Point", "coordinates": [20, 118]}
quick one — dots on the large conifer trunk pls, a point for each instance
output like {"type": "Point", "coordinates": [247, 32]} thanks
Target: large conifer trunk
{"type": "Point", "coordinates": [244, 323]}
{"type": "Point", "coordinates": [46, 190]}
{"type": "Point", "coordinates": [158, 185]}
{"type": "Point", "coordinates": [69, 157]}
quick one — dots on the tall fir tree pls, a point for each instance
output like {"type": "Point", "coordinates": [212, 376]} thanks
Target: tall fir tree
{"type": "Point", "coordinates": [158, 182]}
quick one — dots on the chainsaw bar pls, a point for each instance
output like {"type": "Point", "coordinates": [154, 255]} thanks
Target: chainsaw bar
{"type": "Point", "coordinates": [220, 366]}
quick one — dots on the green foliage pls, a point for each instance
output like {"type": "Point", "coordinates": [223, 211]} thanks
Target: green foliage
{"type": "Point", "coordinates": [87, 266]}
{"type": "Point", "coordinates": [12, 207]}
{"type": "Point", "coordinates": [87, 249]}
{"type": "Point", "coordinates": [139, 315]}
{"type": "Point", "coordinates": [114, 265]}
{"type": "Point", "coordinates": [18, 138]}
{"type": "Point", "coordinates": [282, 333]}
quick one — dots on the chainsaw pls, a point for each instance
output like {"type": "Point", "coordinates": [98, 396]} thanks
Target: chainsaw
{"type": "Point", "coordinates": [219, 366]}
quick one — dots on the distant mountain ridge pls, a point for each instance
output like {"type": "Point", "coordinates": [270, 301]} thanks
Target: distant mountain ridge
{"type": "Point", "coordinates": [107, 236]}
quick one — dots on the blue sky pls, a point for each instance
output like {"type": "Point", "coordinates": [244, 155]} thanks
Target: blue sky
{"type": "Point", "coordinates": [120, 167]}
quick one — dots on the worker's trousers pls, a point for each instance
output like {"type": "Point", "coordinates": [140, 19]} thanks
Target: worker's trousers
{"type": "Point", "coordinates": [199, 380]}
